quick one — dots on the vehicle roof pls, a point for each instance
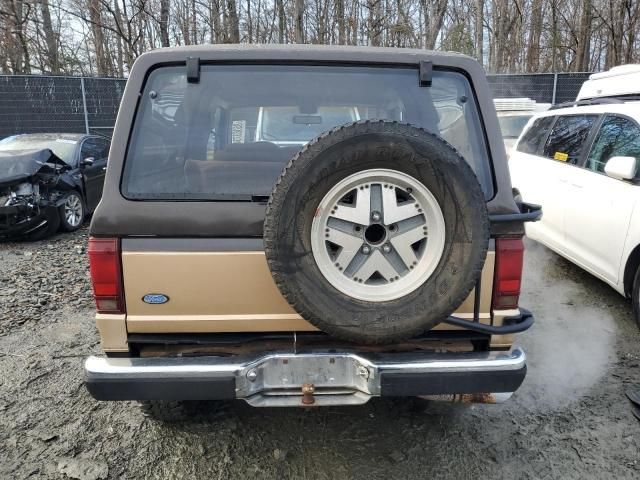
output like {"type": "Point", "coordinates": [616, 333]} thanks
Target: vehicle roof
{"type": "Point", "coordinates": [301, 52]}
{"type": "Point", "coordinates": [630, 109]}
{"type": "Point", "coordinates": [620, 80]}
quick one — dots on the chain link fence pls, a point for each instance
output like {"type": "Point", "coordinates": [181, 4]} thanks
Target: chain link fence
{"type": "Point", "coordinates": [542, 87]}
{"type": "Point", "coordinates": [33, 104]}
{"type": "Point", "coordinates": [37, 104]}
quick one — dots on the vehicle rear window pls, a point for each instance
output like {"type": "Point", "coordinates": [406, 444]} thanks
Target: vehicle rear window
{"type": "Point", "coordinates": [568, 137]}
{"type": "Point", "coordinates": [512, 125]}
{"type": "Point", "coordinates": [229, 136]}
{"type": "Point", "coordinates": [531, 142]}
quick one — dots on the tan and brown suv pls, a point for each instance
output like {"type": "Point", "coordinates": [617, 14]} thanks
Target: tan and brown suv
{"type": "Point", "coordinates": [301, 225]}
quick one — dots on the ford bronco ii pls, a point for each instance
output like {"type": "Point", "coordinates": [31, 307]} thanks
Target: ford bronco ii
{"type": "Point", "coordinates": [303, 225]}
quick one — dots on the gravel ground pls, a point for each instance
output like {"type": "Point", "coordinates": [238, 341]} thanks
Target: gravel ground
{"type": "Point", "coordinates": [569, 420]}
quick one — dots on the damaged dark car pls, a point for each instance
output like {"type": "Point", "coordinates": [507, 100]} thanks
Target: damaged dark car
{"type": "Point", "coordinates": [49, 182]}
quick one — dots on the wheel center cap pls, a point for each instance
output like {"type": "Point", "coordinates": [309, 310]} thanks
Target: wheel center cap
{"type": "Point", "coordinates": [375, 234]}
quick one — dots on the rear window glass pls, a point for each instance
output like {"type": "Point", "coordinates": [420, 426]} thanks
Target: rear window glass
{"type": "Point", "coordinates": [512, 125]}
{"type": "Point", "coordinates": [568, 137]}
{"type": "Point", "coordinates": [229, 136]}
{"type": "Point", "coordinates": [532, 140]}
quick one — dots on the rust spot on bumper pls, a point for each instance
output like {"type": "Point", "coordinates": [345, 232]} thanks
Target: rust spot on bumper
{"type": "Point", "coordinates": [307, 394]}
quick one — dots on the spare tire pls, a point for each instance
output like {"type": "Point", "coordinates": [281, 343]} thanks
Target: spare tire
{"type": "Point", "coordinates": [376, 231]}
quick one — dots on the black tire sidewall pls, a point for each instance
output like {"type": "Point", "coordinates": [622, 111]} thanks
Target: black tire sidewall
{"type": "Point", "coordinates": [635, 297]}
{"type": "Point", "coordinates": [64, 225]}
{"type": "Point", "coordinates": [352, 149]}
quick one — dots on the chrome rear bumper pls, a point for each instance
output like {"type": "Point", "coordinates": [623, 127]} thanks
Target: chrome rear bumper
{"type": "Point", "coordinates": [304, 379]}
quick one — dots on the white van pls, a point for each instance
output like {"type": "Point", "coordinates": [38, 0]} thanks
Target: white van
{"type": "Point", "coordinates": [581, 162]}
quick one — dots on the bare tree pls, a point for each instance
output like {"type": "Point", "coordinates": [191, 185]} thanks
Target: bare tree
{"type": "Point", "coordinates": [299, 21]}
{"type": "Point", "coordinates": [105, 36]}
{"type": "Point", "coordinates": [164, 23]}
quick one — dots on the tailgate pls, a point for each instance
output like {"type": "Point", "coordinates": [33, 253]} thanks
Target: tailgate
{"type": "Point", "coordinates": [224, 285]}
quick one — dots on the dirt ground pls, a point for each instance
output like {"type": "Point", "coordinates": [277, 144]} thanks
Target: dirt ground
{"type": "Point", "coordinates": [569, 420]}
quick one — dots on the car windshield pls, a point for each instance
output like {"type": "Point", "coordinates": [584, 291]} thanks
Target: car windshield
{"type": "Point", "coordinates": [229, 136]}
{"type": "Point", "coordinates": [62, 147]}
{"type": "Point", "coordinates": [512, 125]}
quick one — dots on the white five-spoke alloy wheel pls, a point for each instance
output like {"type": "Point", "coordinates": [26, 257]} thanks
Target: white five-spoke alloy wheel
{"type": "Point", "coordinates": [378, 235]}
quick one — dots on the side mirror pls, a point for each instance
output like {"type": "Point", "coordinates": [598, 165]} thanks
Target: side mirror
{"type": "Point", "coordinates": [87, 162]}
{"type": "Point", "coordinates": [621, 168]}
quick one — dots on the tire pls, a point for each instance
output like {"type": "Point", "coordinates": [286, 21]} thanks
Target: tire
{"type": "Point", "coordinates": [635, 297]}
{"type": "Point", "coordinates": [166, 411]}
{"type": "Point", "coordinates": [383, 307]}
{"type": "Point", "coordinates": [72, 212]}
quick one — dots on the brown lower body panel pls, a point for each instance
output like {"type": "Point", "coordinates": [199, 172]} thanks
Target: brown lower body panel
{"type": "Point", "coordinates": [226, 291]}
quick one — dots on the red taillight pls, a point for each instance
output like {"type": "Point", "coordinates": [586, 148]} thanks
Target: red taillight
{"type": "Point", "coordinates": [508, 272]}
{"type": "Point", "coordinates": [106, 274]}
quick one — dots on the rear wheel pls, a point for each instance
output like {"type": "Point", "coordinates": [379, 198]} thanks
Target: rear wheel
{"type": "Point", "coordinates": [635, 297]}
{"type": "Point", "coordinates": [72, 212]}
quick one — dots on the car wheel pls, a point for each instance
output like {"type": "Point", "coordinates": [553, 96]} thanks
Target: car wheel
{"type": "Point", "coordinates": [72, 212]}
{"type": "Point", "coordinates": [635, 297]}
{"type": "Point", "coordinates": [376, 231]}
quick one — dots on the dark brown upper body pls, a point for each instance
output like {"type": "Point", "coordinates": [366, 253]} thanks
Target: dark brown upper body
{"type": "Point", "coordinates": [119, 216]}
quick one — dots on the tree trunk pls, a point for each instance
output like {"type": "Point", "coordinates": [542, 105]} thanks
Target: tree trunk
{"type": "Point", "coordinates": [214, 18]}
{"type": "Point", "coordinates": [233, 25]}
{"type": "Point", "coordinates": [479, 40]}
{"type": "Point", "coordinates": [119, 41]}
{"type": "Point", "coordinates": [554, 35]}
{"type": "Point", "coordinates": [342, 32]}
{"type": "Point", "coordinates": [355, 8]}
{"type": "Point", "coordinates": [249, 36]}
{"type": "Point", "coordinates": [50, 38]}
{"type": "Point", "coordinates": [281, 20]}
{"type": "Point", "coordinates": [375, 21]}
{"type": "Point", "coordinates": [164, 23]}
{"type": "Point", "coordinates": [583, 50]}
{"type": "Point", "coordinates": [98, 36]}
{"type": "Point", "coordinates": [299, 21]}
{"type": "Point", "coordinates": [533, 47]}
{"type": "Point", "coordinates": [433, 19]}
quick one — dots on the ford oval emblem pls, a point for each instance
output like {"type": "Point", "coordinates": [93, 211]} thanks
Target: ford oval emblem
{"type": "Point", "coordinates": [155, 298]}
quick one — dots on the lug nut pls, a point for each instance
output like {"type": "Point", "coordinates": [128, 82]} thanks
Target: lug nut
{"type": "Point", "coordinates": [375, 216]}
{"type": "Point", "coordinates": [366, 249]}
{"type": "Point", "coordinates": [386, 248]}
{"type": "Point", "coordinates": [252, 375]}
